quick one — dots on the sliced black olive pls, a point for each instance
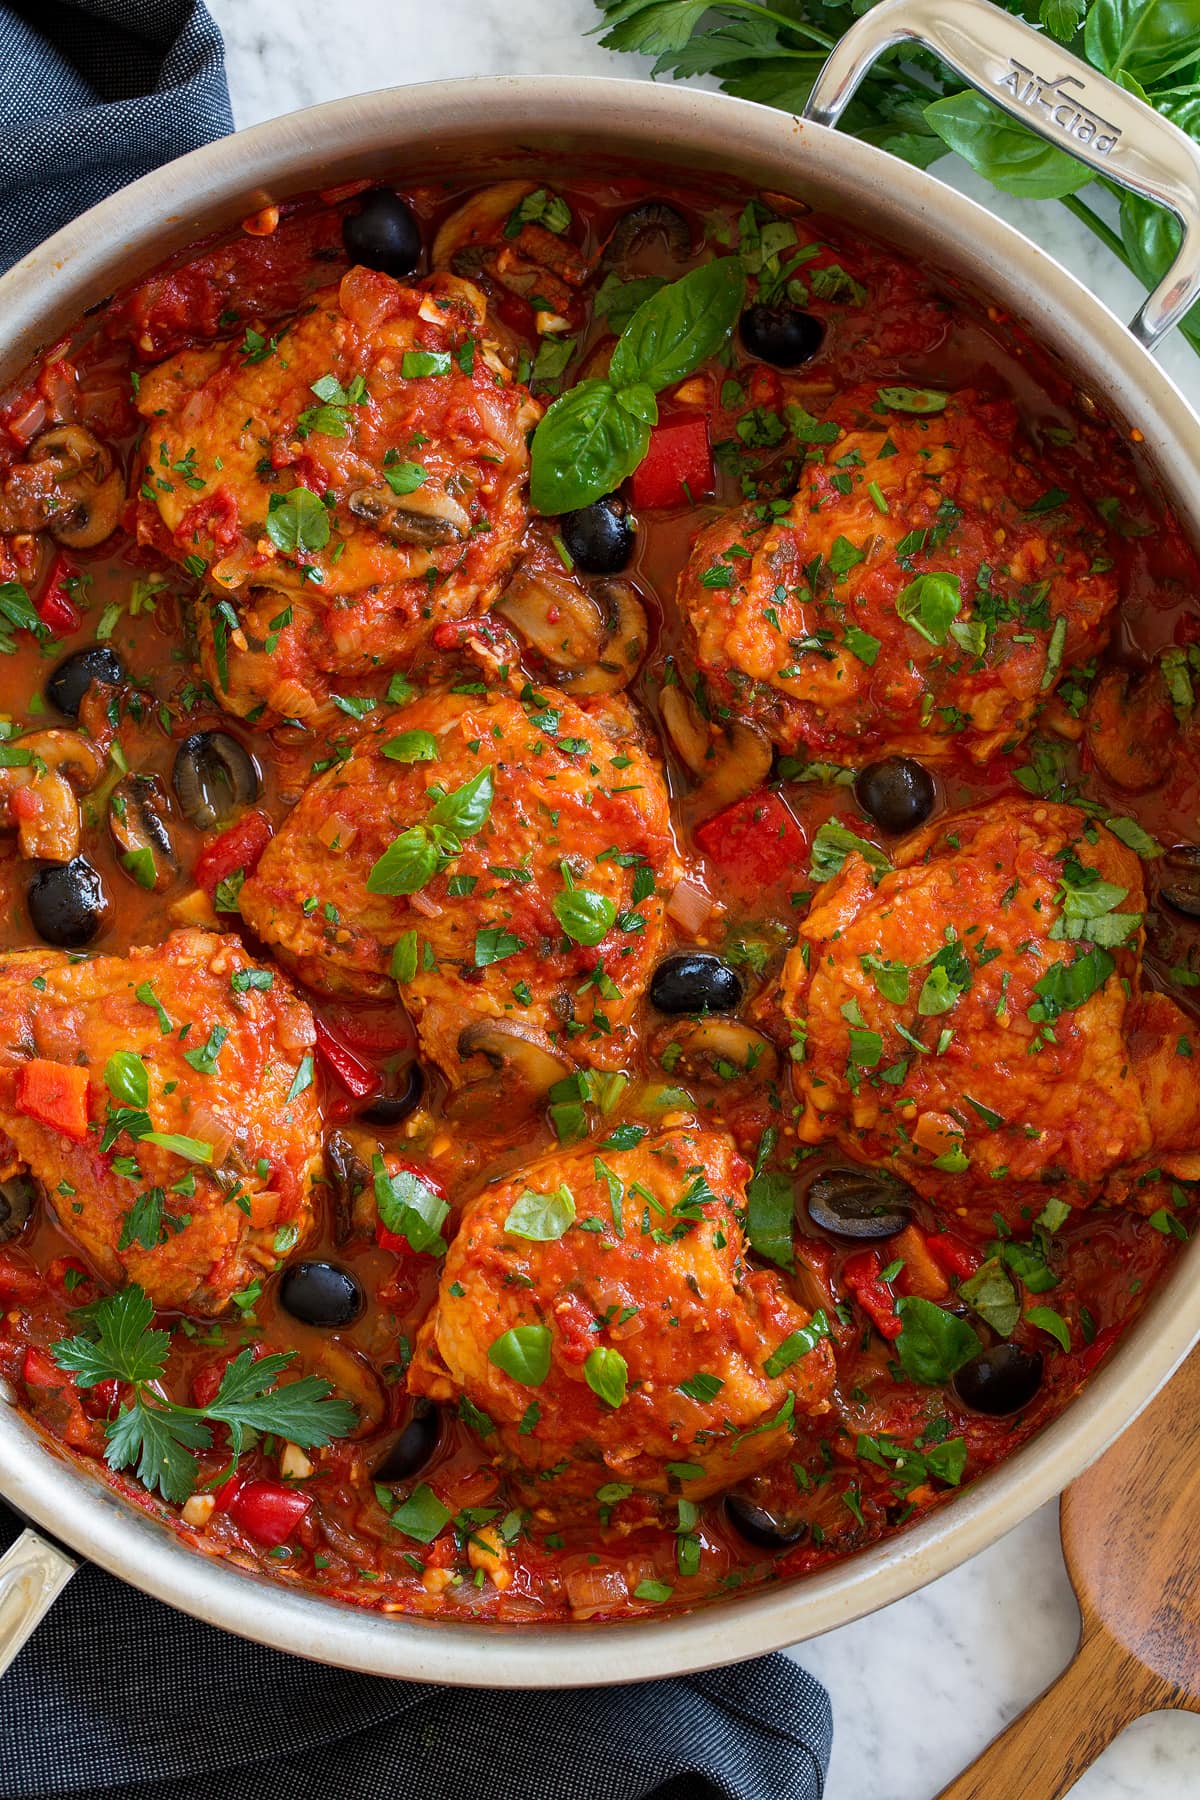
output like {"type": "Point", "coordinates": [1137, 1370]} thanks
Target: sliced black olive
{"type": "Point", "coordinates": [74, 675]}
{"type": "Point", "coordinates": [761, 1528]}
{"type": "Point", "coordinates": [383, 233]}
{"type": "Point", "coordinates": [18, 1197]}
{"type": "Point", "coordinates": [599, 537]}
{"type": "Point", "coordinates": [414, 1447]}
{"type": "Point", "coordinates": [652, 218]}
{"type": "Point", "coordinates": [213, 778]}
{"type": "Point", "coordinates": [783, 336]}
{"type": "Point", "coordinates": [319, 1293]}
{"type": "Point", "coordinates": [695, 982]}
{"type": "Point", "coordinates": [1000, 1380]}
{"type": "Point", "coordinates": [347, 1175]}
{"type": "Point", "coordinates": [898, 793]}
{"type": "Point", "coordinates": [392, 1109]}
{"type": "Point", "coordinates": [67, 903]}
{"type": "Point", "coordinates": [138, 830]}
{"type": "Point", "coordinates": [1182, 892]}
{"type": "Point", "coordinates": [858, 1203]}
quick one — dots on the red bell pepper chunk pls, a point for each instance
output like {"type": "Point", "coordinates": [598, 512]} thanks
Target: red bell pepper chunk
{"type": "Point", "coordinates": [268, 1512]}
{"type": "Point", "coordinates": [861, 1275]}
{"type": "Point", "coordinates": [240, 847]}
{"type": "Point", "coordinates": [55, 1094]}
{"type": "Point", "coordinates": [56, 608]}
{"type": "Point", "coordinates": [678, 465]}
{"type": "Point", "coordinates": [344, 1066]}
{"type": "Point", "coordinates": [756, 841]}
{"type": "Point", "coordinates": [392, 1240]}
{"type": "Point", "coordinates": [953, 1254]}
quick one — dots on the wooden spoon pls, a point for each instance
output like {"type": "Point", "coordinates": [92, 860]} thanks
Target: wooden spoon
{"type": "Point", "coordinates": [1131, 1536]}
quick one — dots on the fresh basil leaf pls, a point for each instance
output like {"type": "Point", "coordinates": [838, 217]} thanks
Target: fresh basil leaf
{"type": "Point", "coordinates": [191, 1149]}
{"type": "Point", "coordinates": [493, 944]}
{"type": "Point", "coordinates": [607, 1374]}
{"type": "Point", "coordinates": [933, 1343]}
{"type": "Point", "coordinates": [405, 477]}
{"type": "Point", "coordinates": [1135, 837]}
{"type": "Point", "coordinates": [1150, 41]}
{"type": "Point", "coordinates": [1046, 1319]}
{"type": "Point", "coordinates": [616, 301]}
{"type": "Point", "coordinates": [586, 917]}
{"type": "Point", "coordinates": [1068, 985]}
{"type": "Point", "coordinates": [297, 522]}
{"type": "Point", "coordinates": [422, 1516]}
{"type": "Point", "coordinates": [417, 365]}
{"type": "Point", "coordinates": [1008, 155]}
{"type": "Point", "coordinates": [410, 1208]}
{"type": "Point", "coordinates": [542, 1218]}
{"type": "Point", "coordinates": [930, 604]}
{"type": "Point", "coordinates": [991, 1294]}
{"type": "Point", "coordinates": [408, 863]}
{"type": "Point", "coordinates": [127, 1079]}
{"type": "Point", "coordinates": [913, 400]}
{"type": "Point", "coordinates": [583, 448]}
{"type": "Point", "coordinates": [411, 747]}
{"type": "Point", "coordinates": [833, 843]}
{"type": "Point", "coordinates": [523, 1353]}
{"type": "Point", "coordinates": [466, 810]}
{"type": "Point", "coordinates": [797, 1344]}
{"type": "Point", "coordinates": [676, 329]}
{"type": "Point", "coordinates": [770, 1216]}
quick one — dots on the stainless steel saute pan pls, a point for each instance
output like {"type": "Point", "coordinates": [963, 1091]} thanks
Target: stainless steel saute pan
{"type": "Point", "coordinates": [1053, 94]}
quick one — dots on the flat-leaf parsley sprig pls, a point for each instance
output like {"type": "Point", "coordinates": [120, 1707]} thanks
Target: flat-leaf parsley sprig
{"type": "Point", "coordinates": [915, 107]}
{"type": "Point", "coordinates": [118, 1343]}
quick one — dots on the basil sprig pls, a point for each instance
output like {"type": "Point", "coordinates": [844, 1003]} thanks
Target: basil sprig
{"type": "Point", "coordinates": [598, 432]}
{"type": "Point", "coordinates": [414, 857]}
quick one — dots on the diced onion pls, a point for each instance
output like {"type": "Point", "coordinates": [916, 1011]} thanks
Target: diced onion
{"type": "Point", "coordinates": [422, 903]}
{"type": "Point", "coordinates": [689, 907]}
{"type": "Point", "coordinates": [594, 1589]}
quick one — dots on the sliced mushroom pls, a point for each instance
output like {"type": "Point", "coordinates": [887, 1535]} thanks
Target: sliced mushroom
{"type": "Point", "coordinates": [427, 516]}
{"type": "Point", "coordinates": [651, 218]}
{"type": "Point", "coordinates": [1131, 729]}
{"type": "Point", "coordinates": [541, 267]}
{"type": "Point", "coordinates": [595, 635]}
{"type": "Point", "coordinates": [478, 220]}
{"type": "Point", "coordinates": [18, 1197]}
{"type": "Point", "coordinates": [730, 1047]}
{"type": "Point", "coordinates": [623, 648]}
{"type": "Point", "coordinates": [56, 766]}
{"type": "Point", "coordinates": [512, 1046]}
{"type": "Point", "coordinates": [65, 753]}
{"type": "Point", "coordinates": [727, 770]}
{"type": "Point", "coordinates": [89, 491]}
{"type": "Point", "coordinates": [141, 836]}
{"type": "Point", "coordinates": [348, 1175]}
{"type": "Point", "coordinates": [1182, 892]}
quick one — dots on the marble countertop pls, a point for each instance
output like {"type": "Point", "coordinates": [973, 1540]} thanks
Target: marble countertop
{"type": "Point", "coordinates": [919, 1689]}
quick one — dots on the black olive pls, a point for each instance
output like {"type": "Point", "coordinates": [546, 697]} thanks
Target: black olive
{"type": "Point", "coordinates": [694, 982]}
{"type": "Point", "coordinates": [383, 233]}
{"type": "Point", "coordinates": [74, 675]}
{"type": "Point", "coordinates": [319, 1293]}
{"type": "Point", "coordinates": [213, 778]}
{"type": "Point", "coordinates": [650, 218]}
{"type": "Point", "coordinates": [761, 1528]}
{"type": "Point", "coordinates": [1182, 894]}
{"type": "Point", "coordinates": [18, 1196]}
{"type": "Point", "coordinates": [858, 1203]}
{"type": "Point", "coordinates": [898, 793]}
{"type": "Point", "coordinates": [414, 1447]}
{"type": "Point", "coordinates": [599, 537]}
{"type": "Point", "coordinates": [783, 336]}
{"type": "Point", "coordinates": [67, 903]}
{"type": "Point", "coordinates": [391, 1109]}
{"type": "Point", "coordinates": [1000, 1380]}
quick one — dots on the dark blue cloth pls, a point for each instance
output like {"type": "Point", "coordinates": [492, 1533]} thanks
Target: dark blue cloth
{"type": "Point", "coordinates": [118, 1697]}
{"type": "Point", "coordinates": [94, 93]}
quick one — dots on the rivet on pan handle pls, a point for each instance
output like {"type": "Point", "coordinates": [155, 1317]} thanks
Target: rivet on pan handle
{"type": "Point", "coordinates": [1052, 93]}
{"type": "Point", "coordinates": [33, 1573]}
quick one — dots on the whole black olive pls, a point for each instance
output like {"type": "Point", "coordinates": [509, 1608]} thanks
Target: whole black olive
{"type": "Point", "coordinates": [67, 903]}
{"type": "Point", "coordinates": [391, 1109]}
{"type": "Point", "coordinates": [783, 336]}
{"type": "Point", "coordinates": [213, 777]}
{"type": "Point", "coordinates": [761, 1528]}
{"type": "Point", "coordinates": [694, 982]}
{"type": "Point", "coordinates": [414, 1447]}
{"type": "Point", "coordinates": [319, 1293]}
{"type": "Point", "coordinates": [1000, 1380]}
{"type": "Point", "coordinates": [898, 793]}
{"type": "Point", "coordinates": [858, 1203]}
{"type": "Point", "coordinates": [73, 676]}
{"type": "Point", "coordinates": [383, 233]}
{"type": "Point", "coordinates": [599, 537]}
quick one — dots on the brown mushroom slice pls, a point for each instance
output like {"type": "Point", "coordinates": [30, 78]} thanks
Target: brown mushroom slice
{"type": "Point", "coordinates": [1181, 892]}
{"type": "Point", "coordinates": [89, 489]}
{"type": "Point", "coordinates": [522, 1049]}
{"type": "Point", "coordinates": [140, 834]}
{"type": "Point", "coordinates": [426, 517]}
{"type": "Point", "coordinates": [623, 648]}
{"type": "Point", "coordinates": [478, 220]}
{"type": "Point", "coordinates": [57, 766]}
{"type": "Point", "coordinates": [1131, 729]}
{"type": "Point", "coordinates": [557, 616]}
{"type": "Point", "coordinates": [650, 218]}
{"type": "Point", "coordinates": [730, 1047]}
{"type": "Point", "coordinates": [728, 770]}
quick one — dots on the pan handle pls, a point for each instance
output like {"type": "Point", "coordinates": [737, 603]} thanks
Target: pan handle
{"type": "Point", "coordinates": [1053, 94]}
{"type": "Point", "coordinates": [33, 1573]}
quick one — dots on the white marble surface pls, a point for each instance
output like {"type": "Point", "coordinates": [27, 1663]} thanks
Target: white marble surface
{"type": "Point", "coordinates": [917, 1690]}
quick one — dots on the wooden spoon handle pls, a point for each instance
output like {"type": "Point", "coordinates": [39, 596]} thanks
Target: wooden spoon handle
{"type": "Point", "coordinates": [1047, 1748]}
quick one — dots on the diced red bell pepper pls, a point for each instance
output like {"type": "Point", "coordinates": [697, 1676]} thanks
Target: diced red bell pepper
{"type": "Point", "coordinates": [55, 1094]}
{"type": "Point", "coordinates": [55, 607]}
{"type": "Point", "coordinates": [860, 1275]}
{"type": "Point", "coordinates": [344, 1066]}
{"type": "Point", "coordinates": [41, 1370]}
{"type": "Point", "coordinates": [678, 465]}
{"type": "Point", "coordinates": [268, 1512]}
{"type": "Point", "coordinates": [372, 1031]}
{"type": "Point", "coordinates": [756, 841]}
{"type": "Point", "coordinates": [392, 1240]}
{"type": "Point", "coordinates": [239, 847]}
{"type": "Point", "coordinates": [953, 1254]}
{"type": "Point", "coordinates": [19, 1282]}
